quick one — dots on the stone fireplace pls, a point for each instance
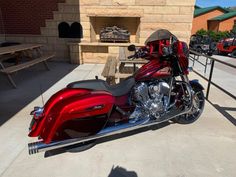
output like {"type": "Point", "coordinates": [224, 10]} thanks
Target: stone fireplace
{"type": "Point", "coordinates": [139, 17]}
{"type": "Point", "coordinates": [91, 49]}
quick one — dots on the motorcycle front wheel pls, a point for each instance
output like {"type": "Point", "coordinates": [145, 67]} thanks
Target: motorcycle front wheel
{"type": "Point", "coordinates": [196, 111]}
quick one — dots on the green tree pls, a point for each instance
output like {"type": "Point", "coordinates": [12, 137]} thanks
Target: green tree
{"type": "Point", "coordinates": [201, 32]}
{"type": "Point", "coordinates": [216, 36]}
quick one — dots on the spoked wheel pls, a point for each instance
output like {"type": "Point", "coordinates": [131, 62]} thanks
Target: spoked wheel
{"type": "Point", "coordinates": [196, 111]}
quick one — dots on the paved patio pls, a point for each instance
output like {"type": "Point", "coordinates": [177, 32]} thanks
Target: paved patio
{"type": "Point", "coordinates": [205, 148]}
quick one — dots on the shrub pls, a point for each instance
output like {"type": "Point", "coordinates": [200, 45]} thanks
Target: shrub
{"type": "Point", "coordinates": [216, 36]}
{"type": "Point", "coordinates": [201, 32]}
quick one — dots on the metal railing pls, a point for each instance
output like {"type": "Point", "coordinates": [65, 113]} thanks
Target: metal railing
{"type": "Point", "coordinates": [195, 58]}
{"type": "Point", "coordinates": [209, 60]}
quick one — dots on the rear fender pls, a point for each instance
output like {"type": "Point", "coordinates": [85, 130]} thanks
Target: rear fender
{"type": "Point", "coordinates": [69, 105]}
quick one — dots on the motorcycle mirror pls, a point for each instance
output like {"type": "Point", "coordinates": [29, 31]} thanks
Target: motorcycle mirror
{"type": "Point", "coordinates": [173, 39]}
{"type": "Point", "coordinates": [165, 51]}
{"type": "Point", "coordinates": [132, 47]}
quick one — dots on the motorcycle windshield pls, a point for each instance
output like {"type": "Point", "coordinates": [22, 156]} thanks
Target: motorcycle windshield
{"type": "Point", "coordinates": [160, 34]}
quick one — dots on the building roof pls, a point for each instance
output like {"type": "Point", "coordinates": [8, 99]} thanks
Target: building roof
{"type": "Point", "coordinates": [224, 16]}
{"type": "Point", "coordinates": [201, 11]}
{"type": "Point", "coordinates": [197, 7]}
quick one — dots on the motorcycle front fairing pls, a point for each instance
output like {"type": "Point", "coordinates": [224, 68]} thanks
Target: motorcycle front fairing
{"type": "Point", "coordinates": [72, 113]}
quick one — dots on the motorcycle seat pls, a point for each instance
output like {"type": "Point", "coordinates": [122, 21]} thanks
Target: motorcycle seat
{"type": "Point", "coordinates": [119, 89]}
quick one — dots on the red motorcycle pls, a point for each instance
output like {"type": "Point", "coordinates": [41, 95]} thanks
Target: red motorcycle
{"type": "Point", "coordinates": [88, 110]}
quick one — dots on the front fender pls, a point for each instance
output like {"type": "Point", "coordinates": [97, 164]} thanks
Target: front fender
{"type": "Point", "coordinates": [196, 85]}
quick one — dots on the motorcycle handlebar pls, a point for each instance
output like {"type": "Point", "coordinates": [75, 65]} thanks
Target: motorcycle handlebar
{"type": "Point", "coordinates": [140, 53]}
{"type": "Point", "coordinates": [143, 52]}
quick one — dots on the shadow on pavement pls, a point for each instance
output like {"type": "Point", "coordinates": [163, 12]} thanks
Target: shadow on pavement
{"type": "Point", "coordinates": [82, 147]}
{"type": "Point", "coordinates": [121, 172]}
{"type": "Point", "coordinates": [30, 83]}
{"type": "Point", "coordinates": [223, 111]}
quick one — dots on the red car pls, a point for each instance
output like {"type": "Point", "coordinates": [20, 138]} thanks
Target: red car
{"type": "Point", "coordinates": [227, 47]}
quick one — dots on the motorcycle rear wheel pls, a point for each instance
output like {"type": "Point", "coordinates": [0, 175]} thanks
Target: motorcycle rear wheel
{"type": "Point", "coordinates": [196, 111]}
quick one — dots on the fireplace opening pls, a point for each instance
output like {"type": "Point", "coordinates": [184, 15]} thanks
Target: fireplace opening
{"type": "Point", "coordinates": [104, 27]}
{"type": "Point", "coordinates": [114, 34]}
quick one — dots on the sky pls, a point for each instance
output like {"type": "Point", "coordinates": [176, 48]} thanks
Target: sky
{"type": "Point", "coordinates": [222, 3]}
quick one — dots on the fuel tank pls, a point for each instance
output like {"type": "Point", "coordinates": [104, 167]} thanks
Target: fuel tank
{"type": "Point", "coordinates": [72, 113]}
{"type": "Point", "coordinates": [154, 69]}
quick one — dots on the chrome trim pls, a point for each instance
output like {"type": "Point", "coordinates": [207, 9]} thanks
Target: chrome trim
{"type": "Point", "coordinates": [185, 78]}
{"type": "Point", "coordinates": [38, 111]}
{"type": "Point", "coordinates": [171, 87]}
{"type": "Point", "coordinates": [40, 146]}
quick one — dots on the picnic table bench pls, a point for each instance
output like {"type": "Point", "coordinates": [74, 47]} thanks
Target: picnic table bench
{"type": "Point", "coordinates": [20, 52]}
{"type": "Point", "coordinates": [110, 69]}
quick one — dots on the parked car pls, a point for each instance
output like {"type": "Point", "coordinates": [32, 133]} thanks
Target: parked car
{"type": "Point", "coordinates": [227, 47]}
{"type": "Point", "coordinates": [203, 44]}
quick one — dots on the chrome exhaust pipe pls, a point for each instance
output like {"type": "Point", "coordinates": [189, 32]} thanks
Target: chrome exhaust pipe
{"type": "Point", "coordinates": [39, 146]}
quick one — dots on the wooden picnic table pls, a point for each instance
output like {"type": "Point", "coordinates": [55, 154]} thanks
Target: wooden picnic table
{"type": "Point", "coordinates": [118, 67]}
{"type": "Point", "coordinates": [20, 52]}
{"type": "Point", "coordinates": [18, 48]}
{"type": "Point", "coordinates": [133, 62]}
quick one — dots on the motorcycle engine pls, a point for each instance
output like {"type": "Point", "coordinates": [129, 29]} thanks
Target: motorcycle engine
{"type": "Point", "coordinates": [150, 99]}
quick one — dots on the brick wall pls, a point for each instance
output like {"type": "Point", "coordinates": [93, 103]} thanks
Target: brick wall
{"type": "Point", "coordinates": [26, 16]}
{"type": "Point", "coordinates": [200, 22]}
{"type": "Point", "coordinates": [227, 25]}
